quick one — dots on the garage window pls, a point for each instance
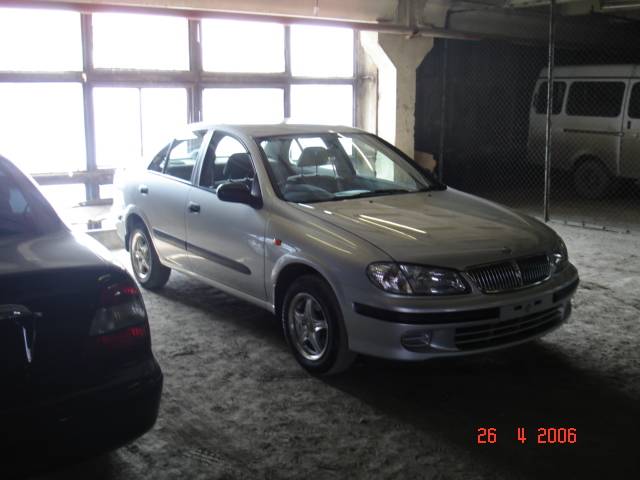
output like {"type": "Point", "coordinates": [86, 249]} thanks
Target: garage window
{"type": "Point", "coordinates": [243, 105]}
{"type": "Point", "coordinates": [595, 99]}
{"type": "Point", "coordinates": [235, 46]}
{"type": "Point", "coordinates": [39, 40]}
{"type": "Point", "coordinates": [133, 123]}
{"type": "Point", "coordinates": [48, 136]}
{"type": "Point", "coordinates": [140, 42]}
{"type": "Point", "coordinates": [321, 51]}
{"type": "Point", "coordinates": [322, 104]}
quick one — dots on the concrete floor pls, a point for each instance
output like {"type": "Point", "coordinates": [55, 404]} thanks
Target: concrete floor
{"type": "Point", "coordinates": [236, 405]}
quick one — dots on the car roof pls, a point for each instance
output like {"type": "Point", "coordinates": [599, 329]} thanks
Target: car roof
{"type": "Point", "coordinates": [275, 129]}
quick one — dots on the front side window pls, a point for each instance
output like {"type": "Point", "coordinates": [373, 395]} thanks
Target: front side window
{"type": "Point", "coordinates": [226, 160]}
{"type": "Point", "coordinates": [634, 101]}
{"type": "Point", "coordinates": [332, 166]}
{"type": "Point", "coordinates": [183, 155]}
{"type": "Point", "coordinates": [595, 99]}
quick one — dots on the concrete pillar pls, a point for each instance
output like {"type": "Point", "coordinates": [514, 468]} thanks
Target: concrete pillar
{"type": "Point", "coordinates": [396, 58]}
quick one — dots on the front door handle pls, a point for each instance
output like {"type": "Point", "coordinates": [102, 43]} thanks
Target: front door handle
{"type": "Point", "coordinates": [194, 207]}
{"type": "Point", "coordinates": [143, 189]}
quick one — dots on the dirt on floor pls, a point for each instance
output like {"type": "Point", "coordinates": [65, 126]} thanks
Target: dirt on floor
{"type": "Point", "coordinates": [236, 404]}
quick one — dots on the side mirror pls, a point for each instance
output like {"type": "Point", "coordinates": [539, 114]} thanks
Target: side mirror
{"type": "Point", "coordinates": [238, 192]}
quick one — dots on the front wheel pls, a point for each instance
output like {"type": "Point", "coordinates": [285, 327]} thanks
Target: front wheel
{"type": "Point", "coordinates": [591, 180]}
{"type": "Point", "coordinates": [313, 326]}
{"type": "Point", "coordinates": [148, 270]}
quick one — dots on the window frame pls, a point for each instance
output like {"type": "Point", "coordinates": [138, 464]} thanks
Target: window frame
{"type": "Point", "coordinates": [209, 138]}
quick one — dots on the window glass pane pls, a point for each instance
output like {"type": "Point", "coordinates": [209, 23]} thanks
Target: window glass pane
{"type": "Point", "coordinates": [124, 136]}
{"type": "Point", "coordinates": [183, 156]}
{"type": "Point", "coordinates": [42, 126]}
{"type": "Point", "coordinates": [236, 46]}
{"type": "Point", "coordinates": [323, 104]}
{"type": "Point", "coordinates": [321, 51]}
{"type": "Point", "coordinates": [243, 105]}
{"type": "Point", "coordinates": [140, 42]}
{"type": "Point", "coordinates": [634, 102]}
{"type": "Point", "coordinates": [64, 197]}
{"type": "Point", "coordinates": [164, 112]}
{"type": "Point", "coordinates": [117, 126]}
{"type": "Point", "coordinates": [40, 40]}
{"type": "Point", "coordinates": [558, 97]}
{"type": "Point", "coordinates": [595, 99]}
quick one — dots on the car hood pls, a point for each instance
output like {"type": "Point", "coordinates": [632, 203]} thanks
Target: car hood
{"type": "Point", "coordinates": [58, 250]}
{"type": "Point", "coordinates": [440, 228]}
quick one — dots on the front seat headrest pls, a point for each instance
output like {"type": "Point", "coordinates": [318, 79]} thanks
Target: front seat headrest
{"type": "Point", "coordinates": [313, 157]}
{"type": "Point", "coordinates": [238, 167]}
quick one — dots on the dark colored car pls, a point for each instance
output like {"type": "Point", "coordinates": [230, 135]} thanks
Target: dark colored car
{"type": "Point", "coordinates": [77, 374]}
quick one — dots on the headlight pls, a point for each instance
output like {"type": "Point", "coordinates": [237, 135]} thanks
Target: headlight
{"type": "Point", "coordinates": [416, 279]}
{"type": "Point", "coordinates": [559, 257]}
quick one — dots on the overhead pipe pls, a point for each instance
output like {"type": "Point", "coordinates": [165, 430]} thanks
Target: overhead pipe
{"type": "Point", "coordinates": [199, 14]}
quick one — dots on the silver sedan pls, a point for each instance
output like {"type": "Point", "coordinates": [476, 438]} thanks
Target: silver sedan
{"type": "Point", "coordinates": [350, 243]}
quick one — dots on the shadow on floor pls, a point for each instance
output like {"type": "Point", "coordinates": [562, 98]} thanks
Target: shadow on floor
{"type": "Point", "coordinates": [531, 386]}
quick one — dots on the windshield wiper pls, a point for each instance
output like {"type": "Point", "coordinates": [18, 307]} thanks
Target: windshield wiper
{"type": "Point", "coordinates": [382, 191]}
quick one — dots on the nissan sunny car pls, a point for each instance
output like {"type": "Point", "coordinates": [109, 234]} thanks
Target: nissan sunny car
{"type": "Point", "coordinates": [355, 247]}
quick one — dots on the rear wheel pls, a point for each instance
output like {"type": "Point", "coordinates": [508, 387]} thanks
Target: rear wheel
{"type": "Point", "coordinates": [313, 326]}
{"type": "Point", "coordinates": [148, 270]}
{"type": "Point", "coordinates": [591, 179]}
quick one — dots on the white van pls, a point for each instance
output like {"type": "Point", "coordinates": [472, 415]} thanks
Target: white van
{"type": "Point", "coordinates": [595, 125]}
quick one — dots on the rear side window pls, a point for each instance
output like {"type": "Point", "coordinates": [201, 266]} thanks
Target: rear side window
{"type": "Point", "coordinates": [182, 157]}
{"type": "Point", "coordinates": [595, 99]}
{"type": "Point", "coordinates": [559, 89]}
{"type": "Point", "coordinates": [634, 102]}
{"type": "Point", "coordinates": [23, 209]}
{"type": "Point", "coordinates": [160, 160]}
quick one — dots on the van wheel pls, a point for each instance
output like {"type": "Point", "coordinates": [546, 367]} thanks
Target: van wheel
{"type": "Point", "coordinates": [591, 179]}
{"type": "Point", "coordinates": [148, 270]}
{"type": "Point", "coordinates": [313, 327]}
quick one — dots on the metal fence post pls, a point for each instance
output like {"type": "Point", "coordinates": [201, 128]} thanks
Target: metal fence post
{"type": "Point", "coordinates": [443, 107]}
{"type": "Point", "coordinates": [548, 139]}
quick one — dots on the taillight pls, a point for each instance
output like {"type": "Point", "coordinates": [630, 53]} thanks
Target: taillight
{"type": "Point", "coordinates": [121, 319]}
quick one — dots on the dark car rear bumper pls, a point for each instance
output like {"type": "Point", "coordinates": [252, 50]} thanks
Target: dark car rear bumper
{"type": "Point", "coordinates": [85, 423]}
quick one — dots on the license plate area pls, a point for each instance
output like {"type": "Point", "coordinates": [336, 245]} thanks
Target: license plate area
{"type": "Point", "coordinates": [527, 307]}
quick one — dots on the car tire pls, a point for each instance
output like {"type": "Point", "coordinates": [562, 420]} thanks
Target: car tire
{"type": "Point", "coordinates": [314, 328]}
{"type": "Point", "coordinates": [147, 269]}
{"type": "Point", "coordinates": [591, 179]}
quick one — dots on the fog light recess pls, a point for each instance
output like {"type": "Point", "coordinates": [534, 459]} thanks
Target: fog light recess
{"type": "Point", "coordinates": [417, 341]}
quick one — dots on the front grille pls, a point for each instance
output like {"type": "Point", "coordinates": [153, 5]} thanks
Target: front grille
{"type": "Point", "coordinates": [507, 331]}
{"type": "Point", "coordinates": [512, 274]}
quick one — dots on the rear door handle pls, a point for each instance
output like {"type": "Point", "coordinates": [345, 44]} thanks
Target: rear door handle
{"type": "Point", "coordinates": [143, 189]}
{"type": "Point", "coordinates": [194, 207]}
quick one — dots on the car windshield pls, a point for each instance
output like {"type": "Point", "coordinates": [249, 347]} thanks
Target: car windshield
{"type": "Point", "coordinates": [334, 166]}
{"type": "Point", "coordinates": [23, 209]}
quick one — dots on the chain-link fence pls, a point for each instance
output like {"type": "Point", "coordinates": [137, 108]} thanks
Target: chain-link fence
{"type": "Point", "coordinates": [481, 110]}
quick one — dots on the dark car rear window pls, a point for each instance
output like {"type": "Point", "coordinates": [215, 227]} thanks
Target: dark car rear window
{"type": "Point", "coordinates": [23, 209]}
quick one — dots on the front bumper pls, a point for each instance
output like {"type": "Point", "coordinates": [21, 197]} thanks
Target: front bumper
{"type": "Point", "coordinates": [416, 329]}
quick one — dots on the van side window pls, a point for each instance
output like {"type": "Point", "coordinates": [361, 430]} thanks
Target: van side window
{"type": "Point", "coordinates": [182, 157]}
{"type": "Point", "coordinates": [595, 99]}
{"type": "Point", "coordinates": [558, 97]}
{"type": "Point", "coordinates": [634, 102]}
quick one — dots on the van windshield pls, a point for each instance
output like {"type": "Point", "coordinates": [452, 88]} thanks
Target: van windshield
{"type": "Point", "coordinates": [332, 166]}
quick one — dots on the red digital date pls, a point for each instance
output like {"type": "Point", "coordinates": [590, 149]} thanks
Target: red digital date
{"type": "Point", "coordinates": [552, 435]}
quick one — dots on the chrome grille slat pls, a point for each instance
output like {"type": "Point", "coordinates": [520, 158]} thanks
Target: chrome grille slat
{"type": "Point", "coordinates": [511, 275]}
